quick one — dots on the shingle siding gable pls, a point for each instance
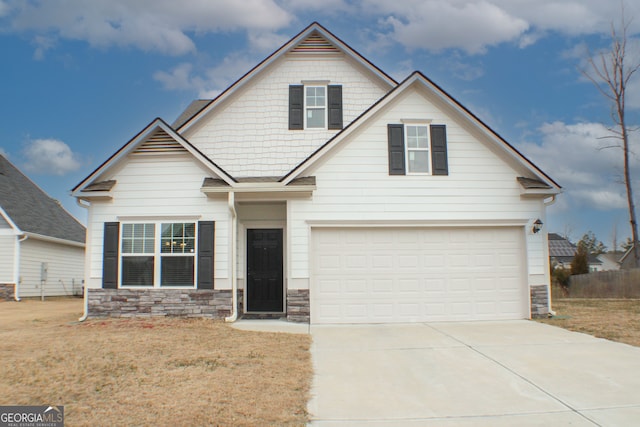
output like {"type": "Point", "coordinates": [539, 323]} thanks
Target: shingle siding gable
{"type": "Point", "coordinates": [251, 135]}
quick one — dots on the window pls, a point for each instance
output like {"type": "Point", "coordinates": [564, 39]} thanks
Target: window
{"type": "Point", "coordinates": [167, 261]}
{"type": "Point", "coordinates": [316, 106]}
{"type": "Point", "coordinates": [417, 148]}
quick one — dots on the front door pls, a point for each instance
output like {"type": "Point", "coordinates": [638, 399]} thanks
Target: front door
{"type": "Point", "coordinates": [264, 270]}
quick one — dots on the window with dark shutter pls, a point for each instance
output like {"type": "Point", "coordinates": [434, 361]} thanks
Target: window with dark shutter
{"type": "Point", "coordinates": [335, 106]}
{"type": "Point", "coordinates": [296, 107]}
{"type": "Point", "coordinates": [110, 255]}
{"type": "Point", "coordinates": [395, 135]}
{"type": "Point", "coordinates": [439, 160]}
{"type": "Point", "coordinates": [206, 238]}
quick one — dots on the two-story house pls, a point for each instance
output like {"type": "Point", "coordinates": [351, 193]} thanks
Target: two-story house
{"type": "Point", "coordinates": [318, 188]}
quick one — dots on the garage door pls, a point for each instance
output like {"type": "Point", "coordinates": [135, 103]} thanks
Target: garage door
{"type": "Point", "coordinates": [380, 275]}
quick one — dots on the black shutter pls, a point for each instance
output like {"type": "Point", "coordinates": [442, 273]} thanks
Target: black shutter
{"type": "Point", "coordinates": [296, 106]}
{"type": "Point", "coordinates": [396, 149]}
{"type": "Point", "coordinates": [110, 255]}
{"type": "Point", "coordinates": [335, 106]}
{"type": "Point", "coordinates": [206, 235]}
{"type": "Point", "coordinates": [439, 150]}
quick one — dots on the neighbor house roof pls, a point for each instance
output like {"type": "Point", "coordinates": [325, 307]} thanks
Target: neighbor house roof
{"type": "Point", "coordinates": [563, 250]}
{"type": "Point", "coordinates": [32, 210]}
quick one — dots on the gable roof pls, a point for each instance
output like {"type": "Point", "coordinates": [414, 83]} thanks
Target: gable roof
{"type": "Point", "coordinates": [32, 210]}
{"type": "Point", "coordinates": [543, 181]}
{"type": "Point", "coordinates": [313, 38]}
{"type": "Point", "coordinates": [157, 136]}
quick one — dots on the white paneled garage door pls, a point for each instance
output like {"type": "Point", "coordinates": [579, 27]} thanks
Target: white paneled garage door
{"type": "Point", "coordinates": [379, 275]}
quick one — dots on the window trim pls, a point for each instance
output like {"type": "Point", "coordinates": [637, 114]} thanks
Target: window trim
{"type": "Point", "coordinates": [307, 108]}
{"type": "Point", "coordinates": [407, 150]}
{"type": "Point", "coordinates": [157, 253]}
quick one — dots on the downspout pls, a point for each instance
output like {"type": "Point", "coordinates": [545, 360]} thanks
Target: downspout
{"type": "Point", "coordinates": [547, 203]}
{"type": "Point", "coordinates": [85, 290]}
{"type": "Point", "coordinates": [16, 266]}
{"type": "Point", "coordinates": [234, 239]}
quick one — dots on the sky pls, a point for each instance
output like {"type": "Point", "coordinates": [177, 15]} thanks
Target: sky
{"type": "Point", "coordinates": [78, 79]}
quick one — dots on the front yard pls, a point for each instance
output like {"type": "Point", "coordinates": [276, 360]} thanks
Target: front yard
{"type": "Point", "coordinates": [165, 371]}
{"type": "Point", "coordinates": [613, 319]}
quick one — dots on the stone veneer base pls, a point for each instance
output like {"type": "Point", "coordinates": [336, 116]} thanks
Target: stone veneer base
{"type": "Point", "coordinates": [213, 304]}
{"type": "Point", "coordinates": [298, 308]}
{"type": "Point", "coordinates": [7, 292]}
{"type": "Point", "coordinates": [539, 301]}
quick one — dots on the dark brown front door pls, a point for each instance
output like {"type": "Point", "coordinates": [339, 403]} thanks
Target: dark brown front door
{"type": "Point", "coordinates": [264, 270]}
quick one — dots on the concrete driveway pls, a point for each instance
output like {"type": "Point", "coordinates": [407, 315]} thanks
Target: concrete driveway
{"type": "Point", "coordinates": [471, 374]}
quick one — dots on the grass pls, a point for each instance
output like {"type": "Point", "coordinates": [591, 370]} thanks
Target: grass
{"type": "Point", "coordinates": [613, 319]}
{"type": "Point", "coordinates": [138, 372]}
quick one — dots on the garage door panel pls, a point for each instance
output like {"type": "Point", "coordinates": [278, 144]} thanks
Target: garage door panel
{"type": "Point", "coordinates": [399, 275]}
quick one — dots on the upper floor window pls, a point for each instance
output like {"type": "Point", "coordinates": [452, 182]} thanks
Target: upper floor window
{"type": "Point", "coordinates": [315, 106]}
{"type": "Point", "coordinates": [417, 148]}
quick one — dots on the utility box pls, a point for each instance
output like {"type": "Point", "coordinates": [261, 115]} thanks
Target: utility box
{"type": "Point", "coordinates": [44, 271]}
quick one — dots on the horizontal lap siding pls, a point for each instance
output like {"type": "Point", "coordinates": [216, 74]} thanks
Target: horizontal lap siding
{"type": "Point", "coordinates": [65, 267]}
{"type": "Point", "coordinates": [251, 136]}
{"type": "Point", "coordinates": [159, 186]}
{"type": "Point", "coordinates": [7, 258]}
{"type": "Point", "coordinates": [354, 184]}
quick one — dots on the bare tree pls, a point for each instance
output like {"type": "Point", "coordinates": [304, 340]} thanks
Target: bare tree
{"type": "Point", "coordinates": [610, 73]}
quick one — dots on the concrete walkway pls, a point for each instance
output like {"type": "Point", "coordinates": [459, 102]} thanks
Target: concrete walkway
{"type": "Point", "coordinates": [471, 374]}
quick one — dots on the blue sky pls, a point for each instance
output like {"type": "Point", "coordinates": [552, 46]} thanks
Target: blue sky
{"type": "Point", "coordinates": [80, 78]}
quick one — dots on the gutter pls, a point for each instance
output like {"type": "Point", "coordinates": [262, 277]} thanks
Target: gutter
{"type": "Point", "coordinates": [85, 291]}
{"type": "Point", "coordinates": [16, 264]}
{"type": "Point", "coordinates": [234, 281]}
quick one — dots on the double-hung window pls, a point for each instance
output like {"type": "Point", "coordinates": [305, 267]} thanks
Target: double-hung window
{"type": "Point", "coordinates": [417, 146]}
{"type": "Point", "coordinates": [158, 254]}
{"type": "Point", "coordinates": [315, 100]}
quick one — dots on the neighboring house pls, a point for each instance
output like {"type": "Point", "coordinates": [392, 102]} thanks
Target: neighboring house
{"type": "Point", "coordinates": [41, 244]}
{"type": "Point", "coordinates": [562, 251]}
{"type": "Point", "coordinates": [610, 261]}
{"type": "Point", "coordinates": [318, 188]}
{"type": "Point", "coordinates": [627, 261]}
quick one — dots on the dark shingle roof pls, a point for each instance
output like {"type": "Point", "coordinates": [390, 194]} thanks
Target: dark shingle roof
{"type": "Point", "coordinates": [191, 110]}
{"type": "Point", "coordinates": [32, 210]}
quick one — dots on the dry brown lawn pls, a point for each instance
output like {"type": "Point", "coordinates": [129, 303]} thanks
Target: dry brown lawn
{"type": "Point", "coordinates": [613, 319]}
{"type": "Point", "coordinates": [164, 371]}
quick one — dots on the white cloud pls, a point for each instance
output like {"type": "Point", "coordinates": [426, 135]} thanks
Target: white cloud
{"type": "Point", "coordinates": [475, 25]}
{"type": "Point", "coordinates": [576, 157]}
{"type": "Point", "coordinates": [212, 81]}
{"type": "Point", "coordinates": [153, 25]}
{"type": "Point", "coordinates": [438, 25]}
{"type": "Point", "coordinates": [50, 156]}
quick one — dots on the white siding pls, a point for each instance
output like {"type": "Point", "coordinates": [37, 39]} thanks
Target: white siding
{"type": "Point", "coordinates": [353, 184]}
{"type": "Point", "coordinates": [158, 186]}
{"type": "Point", "coordinates": [65, 268]}
{"type": "Point", "coordinates": [4, 224]}
{"type": "Point", "coordinates": [7, 258]}
{"type": "Point", "coordinates": [250, 136]}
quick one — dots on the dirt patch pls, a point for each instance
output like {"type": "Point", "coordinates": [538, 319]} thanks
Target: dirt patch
{"type": "Point", "coordinates": [613, 319]}
{"type": "Point", "coordinates": [164, 371]}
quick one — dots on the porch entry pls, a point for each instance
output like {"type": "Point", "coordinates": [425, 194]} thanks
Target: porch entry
{"type": "Point", "coordinates": [265, 270]}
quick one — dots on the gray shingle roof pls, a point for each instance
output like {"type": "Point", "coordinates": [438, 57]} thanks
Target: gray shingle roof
{"type": "Point", "coordinates": [190, 111]}
{"type": "Point", "coordinates": [32, 210]}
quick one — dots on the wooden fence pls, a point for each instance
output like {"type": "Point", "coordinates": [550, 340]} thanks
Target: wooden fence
{"type": "Point", "coordinates": [605, 284]}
